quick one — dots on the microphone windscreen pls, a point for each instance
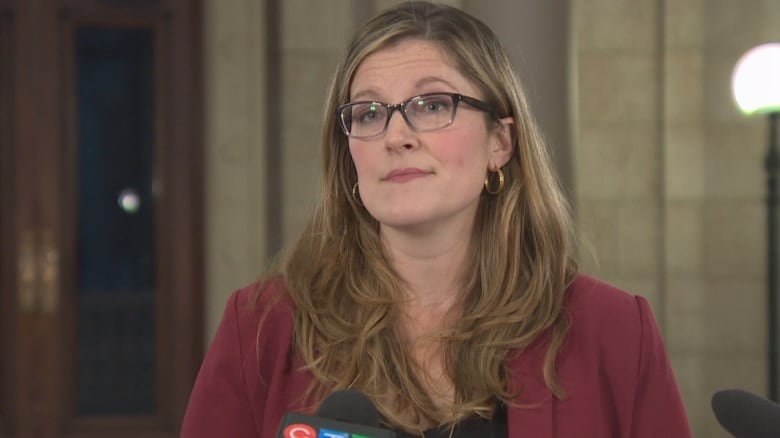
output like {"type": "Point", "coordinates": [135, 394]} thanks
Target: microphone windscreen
{"type": "Point", "coordinates": [746, 415]}
{"type": "Point", "coordinates": [350, 407]}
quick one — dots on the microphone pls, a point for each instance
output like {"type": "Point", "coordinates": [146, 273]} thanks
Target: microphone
{"type": "Point", "coordinates": [746, 415]}
{"type": "Point", "coordinates": [343, 414]}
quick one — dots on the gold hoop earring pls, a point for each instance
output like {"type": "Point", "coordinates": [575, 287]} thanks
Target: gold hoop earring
{"type": "Point", "coordinates": [500, 187]}
{"type": "Point", "coordinates": [356, 194]}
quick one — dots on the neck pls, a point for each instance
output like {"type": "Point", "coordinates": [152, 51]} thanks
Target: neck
{"type": "Point", "coordinates": [432, 266]}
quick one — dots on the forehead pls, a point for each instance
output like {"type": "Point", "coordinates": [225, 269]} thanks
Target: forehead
{"type": "Point", "coordinates": [406, 68]}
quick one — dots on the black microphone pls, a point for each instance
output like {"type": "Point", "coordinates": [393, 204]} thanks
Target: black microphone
{"type": "Point", "coordinates": [343, 414]}
{"type": "Point", "coordinates": [746, 415]}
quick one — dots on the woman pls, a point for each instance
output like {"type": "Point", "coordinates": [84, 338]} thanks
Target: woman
{"type": "Point", "coordinates": [436, 274]}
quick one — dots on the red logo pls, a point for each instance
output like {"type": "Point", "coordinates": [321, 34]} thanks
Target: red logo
{"type": "Point", "coordinates": [299, 431]}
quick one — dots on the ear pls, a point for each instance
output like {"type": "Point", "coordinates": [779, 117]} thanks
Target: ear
{"type": "Point", "coordinates": [501, 145]}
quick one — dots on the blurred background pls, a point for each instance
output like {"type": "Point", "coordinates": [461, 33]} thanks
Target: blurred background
{"type": "Point", "coordinates": [156, 154]}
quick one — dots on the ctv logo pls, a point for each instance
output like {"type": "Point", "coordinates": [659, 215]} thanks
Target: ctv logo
{"type": "Point", "coordinates": [299, 430]}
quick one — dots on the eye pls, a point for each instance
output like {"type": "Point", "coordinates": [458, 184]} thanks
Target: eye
{"type": "Point", "coordinates": [367, 113]}
{"type": "Point", "coordinates": [432, 104]}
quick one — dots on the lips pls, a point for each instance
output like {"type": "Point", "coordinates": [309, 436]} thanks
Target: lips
{"type": "Point", "coordinates": [406, 174]}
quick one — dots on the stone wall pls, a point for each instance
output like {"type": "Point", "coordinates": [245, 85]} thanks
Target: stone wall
{"type": "Point", "coordinates": [670, 182]}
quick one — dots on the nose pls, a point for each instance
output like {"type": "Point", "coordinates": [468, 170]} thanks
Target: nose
{"type": "Point", "coordinates": [399, 134]}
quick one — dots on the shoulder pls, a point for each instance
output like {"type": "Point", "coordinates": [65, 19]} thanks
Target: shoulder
{"type": "Point", "coordinates": [257, 318]}
{"type": "Point", "coordinates": [614, 366]}
{"type": "Point", "coordinates": [607, 320]}
{"type": "Point", "coordinates": [262, 307]}
{"type": "Point", "coordinates": [588, 293]}
{"type": "Point", "coordinates": [265, 297]}
{"type": "Point", "coordinates": [591, 302]}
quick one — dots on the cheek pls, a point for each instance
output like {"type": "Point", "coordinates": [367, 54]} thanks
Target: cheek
{"type": "Point", "coordinates": [360, 157]}
{"type": "Point", "coordinates": [464, 151]}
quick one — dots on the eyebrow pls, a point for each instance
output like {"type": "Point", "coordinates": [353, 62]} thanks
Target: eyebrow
{"type": "Point", "coordinates": [372, 92]}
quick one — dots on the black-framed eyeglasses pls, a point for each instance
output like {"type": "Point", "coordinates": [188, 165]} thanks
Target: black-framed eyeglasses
{"type": "Point", "coordinates": [427, 112]}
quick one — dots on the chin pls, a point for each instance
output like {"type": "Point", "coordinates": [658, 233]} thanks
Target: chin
{"type": "Point", "coordinates": [405, 222]}
{"type": "Point", "coordinates": [401, 219]}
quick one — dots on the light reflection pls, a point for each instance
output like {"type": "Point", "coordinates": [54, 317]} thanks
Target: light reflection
{"type": "Point", "coordinates": [129, 201]}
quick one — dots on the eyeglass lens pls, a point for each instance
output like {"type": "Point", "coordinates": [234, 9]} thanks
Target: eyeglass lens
{"type": "Point", "coordinates": [424, 113]}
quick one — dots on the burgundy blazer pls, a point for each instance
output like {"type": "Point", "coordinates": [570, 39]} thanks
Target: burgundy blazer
{"type": "Point", "coordinates": [613, 367]}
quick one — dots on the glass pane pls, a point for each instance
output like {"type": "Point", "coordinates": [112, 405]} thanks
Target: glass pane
{"type": "Point", "coordinates": [116, 359]}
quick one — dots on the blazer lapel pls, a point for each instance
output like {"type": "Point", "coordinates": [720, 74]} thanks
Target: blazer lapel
{"type": "Point", "coordinates": [531, 413]}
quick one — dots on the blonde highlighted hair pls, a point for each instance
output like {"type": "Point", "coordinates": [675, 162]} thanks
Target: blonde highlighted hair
{"type": "Point", "coordinates": [348, 296]}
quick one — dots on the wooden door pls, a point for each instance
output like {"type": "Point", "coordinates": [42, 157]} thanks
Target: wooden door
{"type": "Point", "coordinates": [100, 221]}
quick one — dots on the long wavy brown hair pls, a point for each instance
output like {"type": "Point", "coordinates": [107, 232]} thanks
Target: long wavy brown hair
{"type": "Point", "coordinates": [347, 295]}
